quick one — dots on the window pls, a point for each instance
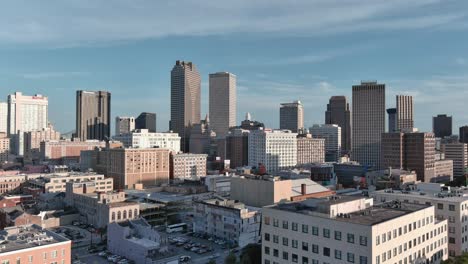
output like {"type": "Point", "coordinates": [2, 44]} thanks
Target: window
{"type": "Point", "coordinates": [294, 243]}
{"type": "Point", "coordinates": [294, 258]}
{"type": "Point", "coordinates": [326, 233]}
{"type": "Point", "coordinates": [350, 257]}
{"type": "Point", "coordinates": [305, 260]}
{"type": "Point", "coordinates": [285, 241]}
{"type": "Point", "coordinates": [285, 255]}
{"type": "Point", "coordinates": [451, 207]}
{"type": "Point", "coordinates": [275, 222]}
{"type": "Point", "coordinates": [275, 239]}
{"type": "Point", "coordinates": [326, 251]}
{"type": "Point", "coordinates": [337, 254]}
{"type": "Point", "coordinates": [440, 206]}
{"type": "Point", "coordinates": [305, 246]}
{"type": "Point", "coordinates": [362, 260]}
{"type": "Point", "coordinates": [305, 229]}
{"type": "Point", "coordinates": [63, 252]}
{"type": "Point", "coordinates": [451, 240]}
{"type": "Point", "coordinates": [315, 231]}
{"type": "Point", "coordinates": [377, 240]}
{"type": "Point", "coordinates": [53, 254]}
{"type": "Point", "coordinates": [285, 224]}
{"type": "Point", "coordinates": [362, 240]}
{"type": "Point", "coordinates": [294, 226]}
{"type": "Point", "coordinates": [337, 235]}
{"type": "Point", "coordinates": [267, 250]}
{"type": "Point", "coordinates": [350, 238]}
{"type": "Point", "coordinates": [275, 252]}
{"type": "Point", "coordinates": [267, 237]}
{"type": "Point", "coordinates": [30, 259]}
{"type": "Point", "coordinates": [315, 248]}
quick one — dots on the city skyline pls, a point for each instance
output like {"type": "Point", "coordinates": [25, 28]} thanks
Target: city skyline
{"type": "Point", "coordinates": [274, 64]}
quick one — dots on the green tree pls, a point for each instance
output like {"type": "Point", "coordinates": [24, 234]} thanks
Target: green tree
{"type": "Point", "coordinates": [252, 253]}
{"type": "Point", "coordinates": [230, 259]}
{"type": "Point", "coordinates": [463, 259]}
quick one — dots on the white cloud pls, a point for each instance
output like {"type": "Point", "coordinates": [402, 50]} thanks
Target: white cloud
{"type": "Point", "coordinates": [460, 61]}
{"type": "Point", "coordinates": [85, 22]}
{"type": "Point", "coordinates": [48, 75]}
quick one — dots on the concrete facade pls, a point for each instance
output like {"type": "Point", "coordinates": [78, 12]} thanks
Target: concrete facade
{"type": "Point", "coordinates": [442, 126]}
{"type": "Point", "coordinates": [32, 143]}
{"type": "Point", "coordinates": [4, 147]}
{"type": "Point", "coordinates": [187, 166]}
{"type": "Point", "coordinates": [292, 116]}
{"type": "Point", "coordinates": [458, 153]}
{"type": "Point", "coordinates": [404, 113]}
{"type": "Point", "coordinates": [124, 125]}
{"type": "Point", "coordinates": [93, 115]}
{"type": "Point", "coordinates": [332, 136]}
{"type": "Point", "coordinates": [339, 113]}
{"type": "Point", "coordinates": [63, 152]}
{"type": "Point", "coordinates": [310, 150]}
{"type": "Point", "coordinates": [223, 101]}
{"type": "Point", "coordinates": [142, 138]}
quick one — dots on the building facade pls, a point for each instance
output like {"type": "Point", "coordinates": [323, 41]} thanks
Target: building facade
{"type": "Point", "coordinates": [27, 113]}
{"type": "Point", "coordinates": [93, 115]}
{"type": "Point", "coordinates": [63, 152]}
{"type": "Point", "coordinates": [142, 138]}
{"type": "Point", "coordinates": [49, 183]}
{"type": "Point", "coordinates": [442, 126]}
{"type": "Point", "coordinates": [124, 125]}
{"type": "Point", "coordinates": [237, 147]}
{"type": "Point", "coordinates": [404, 113]}
{"type": "Point", "coordinates": [4, 147]}
{"type": "Point", "coordinates": [223, 101]}
{"type": "Point", "coordinates": [188, 166]}
{"type": "Point", "coordinates": [292, 116]}
{"type": "Point", "coordinates": [332, 136]}
{"type": "Point", "coordinates": [32, 143]}
{"type": "Point", "coordinates": [146, 121]}
{"type": "Point", "coordinates": [463, 135]}
{"type": "Point", "coordinates": [368, 123]}
{"type": "Point", "coordinates": [310, 150]}
{"type": "Point", "coordinates": [458, 153]}
{"type": "Point", "coordinates": [392, 120]}
{"type": "Point", "coordinates": [443, 170]}
{"type": "Point", "coordinates": [338, 113]}
{"type": "Point", "coordinates": [4, 117]}
{"type": "Point", "coordinates": [185, 100]}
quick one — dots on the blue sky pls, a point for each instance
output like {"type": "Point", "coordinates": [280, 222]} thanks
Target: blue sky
{"type": "Point", "coordinates": [279, 50]}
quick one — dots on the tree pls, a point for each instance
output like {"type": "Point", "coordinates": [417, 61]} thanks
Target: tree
{"type": "Point", "coordinates": [230, 259]}
{"type": "Point", "coordinates": [211, 262]}
{"type": "Point", "coordinates": [252, 253]}
{"type": "Point", "coordinates": [457, 260]}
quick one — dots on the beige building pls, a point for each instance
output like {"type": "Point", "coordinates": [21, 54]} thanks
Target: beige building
{"type": "Point", "coordinates": [100, 208]}
{"type": "Point", "coordinates": [332, 136]}
{"type": "Point", "coordinates": [3, 117]}
{"type": "Point", "coordinates": [443, 170]}
{"type": "Point", "coordinates": [4, 147]}
{"type": "Point", "coordinates": [142, 138]}
{"type": "Point", "coordinates": [187, 166]}
{"type": "Point", "coordinates": [185, 100]}
{"type": "Point", "coordinates": [352, 230]}
{"type": "Point", "coordinates": [292, 116]}
{"type": "Point", "coordinates": [124, 125]}
{"type": "Point", "coordinates": [368, 123]}
{"type": "Point", "coordinates": [65, 151]}
{"type": "Point", "coordinates": [223, 101]}
{"type": "Point", "coordinates": [14, 183]}
{"type": "Point", "coordinates": [57, 182]}
{"type": "Point", "coordinates": [27, 113]}
{"type": "Point", "coordinates": [237, 147]}
{"type": "Point", "coordinates": [451, 203]}
{"type": "Point", "coordinates": [93, 115]}
{"type": "Point", "coordinates": [32, 142]}
{"type": "Point", "coordinates": [310, 150]}
{"type": "Point", "coordinates": [404, 113]}
{"type": "Point", "coordinates": [32, 244]}
{"type": "Point", "coordinates": [458, 152]}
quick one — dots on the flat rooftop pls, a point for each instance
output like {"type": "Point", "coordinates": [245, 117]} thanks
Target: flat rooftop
{"type": "Point", "coordinates": [370, 216]}
{"type": "Point", "coordinates": [24, 237]}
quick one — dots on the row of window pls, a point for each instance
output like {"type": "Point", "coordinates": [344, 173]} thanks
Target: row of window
{"type": "Point", "coordinates": [30, 259]}
{"type": "Point", "coordinates": [337, 254]}
{"type": "Point", "coordinates": [401, 249]}
{"type": "Point", "coordinates": [405, 229]}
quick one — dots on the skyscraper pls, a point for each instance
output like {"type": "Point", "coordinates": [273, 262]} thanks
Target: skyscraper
{"type": "Point", "coordinates": [368, 122]}
{"type": "Point", "coordinates": [93, 113]}
{"type": "Point", "coordinates": [463, 135]}
{"type": "Point", "coordinates": [146, 121]}
{"type": "Point", "coordinates": [185, 100]}
{"type": "Point", "coordinates": [223, 100]}
{"type": "Point", "coordinates": [392, 120]}
{"type": "Point", "coordinates": [332, 136]}
{"type": "Point", "coordinates": [124, 125]}
{"type": "Point", "coordinates": [292, 116]}
{"type": "Point", "coordinates": [442, 126]}
{"type": "Point", "coordinates": [27, 113]}
{"type": "Point", "coordinates": [338, 113]}
{"type": "Point", "coordinates": [404, 113]}
{"type": "Point", "coordinates": [3, 117]}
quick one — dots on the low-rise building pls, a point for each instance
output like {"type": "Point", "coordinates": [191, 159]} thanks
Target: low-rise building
{"type": "Point", "coordinates": [227, 219]}
{"type": "Point", "coordinates": [56, 182]}
{"type": "Point", "coordinates": [390, 178]}
{"type": "Point", "coordinates": [32, 244]}
{"type": "Point", "coordinates": [458, 152]}
{"type": "Point", "coordinates": [142, 138]}
{"type": "Point", "coordinates": [347, 229]}
{"type": "Point", "coordinates": [14, 183]}
{"type": "Point", "coordinates": [188, 166]}
{"type": "Point", "coordinates": [443, 170]}
{"type": "Point", "coordinates": [32, 142]}
{"type": "Point", "coordinates": [309, 149]}
{"type": "Point", "coordinates": [450, 203]}
{"type": "Point", "coordinates": [4, 148]}
{"type": "Point", "coordinates": [65, 152]}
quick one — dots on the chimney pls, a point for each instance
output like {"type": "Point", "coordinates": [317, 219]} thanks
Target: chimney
{"type": "Point", "coordinates": [303, 189]}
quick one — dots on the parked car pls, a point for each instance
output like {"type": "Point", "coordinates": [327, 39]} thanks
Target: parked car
{"type": "Point", "coordinates": [185, 258]}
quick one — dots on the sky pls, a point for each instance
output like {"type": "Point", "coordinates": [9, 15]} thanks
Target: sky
{"type": "Point", "coordinates": [280, 51]}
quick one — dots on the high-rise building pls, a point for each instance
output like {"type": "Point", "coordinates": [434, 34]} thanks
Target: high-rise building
{"type": "Point", "coordinates": [27, 113]}
{"type": "Point", "coordinates": [202, 138]}
{"type": "Point", "coordinates": [392, 120]}
{"type": "Point", "coordinates": [146, 121]}
{"type": "Point", "coordinates": [32, 142]}
{"type": "Point", "coordinates": [3, 117]}
{"type": "Point", "coordinates": [124, 125]}
{"type": "Point", "coordinates": [142, 138]}
{"type": "Point", "coordinates": [404, 113]}
{"type": "Point", "coordinates": [188, 166]}
{"type": "Point", "coordinates": [310, 150]}
{"type": "Point", "coordinates": [4, 147]}
{"type": "Point", "coordinates": [368, 123]}
{"type": "Point", "coordinates": [185, 100]}
{"type": "Point", "coordinates": [223, 100]}
{"type": "Point", "coordinates": [332, 136]}
{"type": "Point", "coordinates": [237, 147]}
{"type": "Point", "coordinates": [442, 126]}
{"type": "Point", "coordinates": [338, 113]}
{"type": "Point", "coordinates": [93, 115]}
{"type": "Point", "coordinates": [458, 152]}
{"type": "Point", "coordinates": [463, 134]}
{"type": "Point", "coordinates": [292, 116]}
{"type": "Point", "coordinates": [410, 151]}
{"type": "Point", "coordinates": [275, 149]}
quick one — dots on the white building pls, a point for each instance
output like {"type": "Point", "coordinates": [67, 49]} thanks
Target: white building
{"type": "Point", "coordinates": [450, 203]}
{"type": "Point", "coordinates": [275, 149]}
{"type": "Point", "coordinates": [56, 182]}
{"type": "Point", "coordinates": [124, 125]}
{"type": "Point", "coordinates": [223, 100]}
{"type": "Point", "coordinates": [458, 152]}
{"type": "Point", "coordinates": [3, 117]}
{"type": "Point", "coordinates": [229, 220]}
{"type": "Point", "coordinates": [188, 166]}
{"type": "Point", "coordinates": [27, 113]}
{"type": "Point", "coordinates": [332, 136]}
{"type": "Point", "coordinates": [352, 230]}
{"type": "Point", "coordinates": [142, 138]}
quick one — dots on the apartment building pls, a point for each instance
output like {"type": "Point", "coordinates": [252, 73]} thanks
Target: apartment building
{"type": "Point", "coordinates": [64, 152]}
{"type": "Point", "coordinates": [350, 229]}
{"type": "Point", "coordinates": [188, 166]}
{"type": "Point", "coordinates": [142, 138]}
{"type": "Point", "coordinates": [57, 182]}
{"type": "Point", "coordinates": [4, 147]}
{"type": "Point", "coordinates": [458, 152]}
{"type": "Point", "coordinates": [32, 142]}
{"type": "Point", "coordinates": [310, 150]}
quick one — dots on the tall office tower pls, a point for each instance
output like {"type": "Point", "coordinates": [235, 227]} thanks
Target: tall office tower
{"type": "Point", "coordinates": [237, 147]}
{"type": "Point", "coordinates": [338, 113]}
{"type": "Point", "coordinates": [368, 123]}
{"type": "Point", "coordinates": [27, 113]}
{"type": "Point", "coordinates": [292, 116]}
{"type": "Point", "coordinates": [93, 115]}
{"type": "Point", "coordinates": [442, 126]}
{"type": "Point", "coordinates": [223, 102]}
{"type": "Point", "coordinates": [3, 117]}
{"type": "Point", "coordinates": [185, 100]}
{"type": "Point", "coordinates": [392, 120]}
{"type": "Point", "coordinates": [275, 149]}
{"type": "Point", "coordinates": [410, 151]}
{"type": "Point", "coordinates": [458, 152]}
{"type": "Point", "coordinates": [146, 121]}
{"type": "Point", "coordinates": [124, 125]}
{"type": "Point", "coordinates": [332, 136]}
{"type": "Point", "coordinates": [463, 135]}
{"type": "Point", "coordinates": [404, 113]}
